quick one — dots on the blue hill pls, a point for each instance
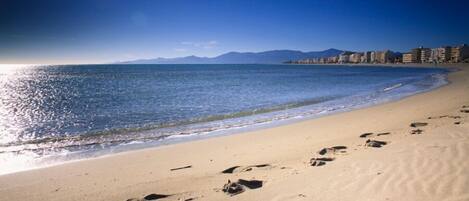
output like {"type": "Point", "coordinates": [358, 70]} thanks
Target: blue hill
{"type": "Point", "coordinates": [267, 57]}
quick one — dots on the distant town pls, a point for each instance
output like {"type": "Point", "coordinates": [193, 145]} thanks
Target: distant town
{"type": "Point", "coordinates": [445, 54]}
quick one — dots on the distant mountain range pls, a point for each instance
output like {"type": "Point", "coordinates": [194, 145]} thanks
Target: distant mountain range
{"type": "Point", "coordinates": [267, 57]}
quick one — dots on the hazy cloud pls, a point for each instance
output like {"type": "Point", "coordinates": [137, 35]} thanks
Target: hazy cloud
{"type": "Point", "coordinates": [180, 50]}
{"type": "Point", "coordinates": [206, 45]}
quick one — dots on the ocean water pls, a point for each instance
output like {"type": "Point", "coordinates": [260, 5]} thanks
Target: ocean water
{"type": "Point", "coordinates": [52, 114]}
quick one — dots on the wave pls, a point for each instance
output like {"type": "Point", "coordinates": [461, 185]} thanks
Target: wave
{"type": "Point", "coordinates": [392, 87]}
{"type": "Point", "coordinates": [143, 133]}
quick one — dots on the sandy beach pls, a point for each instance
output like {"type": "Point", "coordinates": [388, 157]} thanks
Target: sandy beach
{"type": "Point", "coordinates": [411, 149]}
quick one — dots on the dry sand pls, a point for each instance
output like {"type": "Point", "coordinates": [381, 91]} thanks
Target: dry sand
{"type": "Point", "coordinates": [432, 165]}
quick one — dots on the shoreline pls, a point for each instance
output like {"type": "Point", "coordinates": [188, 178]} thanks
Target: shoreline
{"type": "Point", "coordinates": [137, 173]}
{"type": "Point", "coordinates": [262, 123]}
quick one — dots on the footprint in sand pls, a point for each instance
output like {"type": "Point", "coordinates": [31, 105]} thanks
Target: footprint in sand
{"type": "Point", "coordinates": [375, 143]}
{"type": "Point", "coordinates": [416, 131]}
{"type": "Point", "coordinates": [235, 188]}
{"type": "Point", "coordinates": [380, 134]}
{"type": "Point", "coordinates": [438, 117]}
{"type": "Point", "coordinates": [465, 109]}
{"type": "Point", "coordinates": [418, 124]}
{"type": "Point", "coordinates": [320, 161]}
{"type": "Point", "coordinates": [332, 150]}
{"type": "Point", "coordinates": [152, 196]}
{"type": "Point", "coordinates": [365, 135]}
{"type": "Point", "coordinates": [446, 116]}
{"type": "Point", "coordinates": [236, 169]}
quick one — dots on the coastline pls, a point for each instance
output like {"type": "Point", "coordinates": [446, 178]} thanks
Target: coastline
{"type": "Point", "coordinates": [287, 149]}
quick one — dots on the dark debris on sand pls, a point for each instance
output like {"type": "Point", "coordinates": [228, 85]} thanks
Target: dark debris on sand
{"type": "Point", "coordinates": [180, 168]}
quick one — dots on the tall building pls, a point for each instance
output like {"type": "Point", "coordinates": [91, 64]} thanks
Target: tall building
{"type": "Point", "coordinates": [397, 58]}
{"type": "Point", "coordinates": [366, 58]}
{"type": "Point", "coordinates": [459, 53]}
{"type": "Point", "coordinates": [363, 59]}
{"type": "Point", "coordinates": [444, 54]}
{"type": "Point", "coordinates": [409, 58]}
{"type": "Point", "coordinates": [334, 59]}
{"type": "Point", "coordinates": [440, 55]}
{"type": "Point", "coordinates": [379, 57]}
{"type": "Point", "coordinates": [416, 54]}
{"type": "Point", "coordinates": [434, 55]}
{"type": "Point", "coordinates": [355, 57]}
{"type": "Point", "coordinates": [373, 57]}
{"type": "Point", "coordinates": [345, 57]}
{"type": "Point", "coordinates": [384, 56]}
{"type": "Point", "coordinates": [425, 55]}
{"type": "Point", "coordinates": [388, 56]}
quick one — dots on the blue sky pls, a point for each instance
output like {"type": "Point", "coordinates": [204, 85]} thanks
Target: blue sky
{"type": "Point", "coordinates": [99, 31]}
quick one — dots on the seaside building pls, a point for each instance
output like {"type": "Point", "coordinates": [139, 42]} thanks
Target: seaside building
{"type": "Point", "coordinates": [416, 55]}
{"type": "Point", "coordinates": [366, 58]}
{"type": "Point", "coordinates": [425, 55]}
{"type": "Point", "coordinates": [303, 61]}
{"type": "Point", "coordinates": [379, 57]}
{"type": "Point", "coordinates": [344, 57]}
{"type": "Point", "coordinates": [440, 55]}
{"type": "Point", "coordinates": [373, 57]}
{"type": "Point", "coordinates": [444, 54]}
{"type": "Point", "coordinates": [409, 58]}
{"type": "Point", "coordinates": [384, 57]}
{"type": "Point", "coordinates": [334, 59]}
{"type": "Point", "coordinates": [355, 57]}
{"type": "Point", "coordinates": [363, 59]}
{"type": "Point", "coordinates": [322, 60]}
{"type": "Point", "coordinates": [397, 58]}
{"type": "Point", "coordinates": [389, 56]}
{"type": "Point", "coordinates": [459, 53]}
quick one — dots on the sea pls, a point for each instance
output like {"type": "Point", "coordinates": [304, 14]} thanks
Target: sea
{"type": "Point", "coordinates": [52, 114]}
